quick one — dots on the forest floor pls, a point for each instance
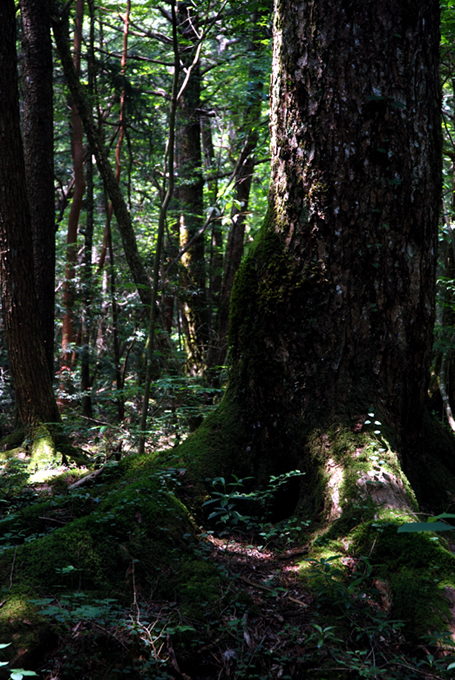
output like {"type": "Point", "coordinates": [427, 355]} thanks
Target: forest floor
{"type": "Point", "coordinates": [261, 600]}
{"type": "Point", "coordinates": [268, 622]}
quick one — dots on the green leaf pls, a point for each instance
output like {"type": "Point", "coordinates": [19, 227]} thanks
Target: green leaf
{"type": "Point", "coordinates": [53, 611]}
{"type": "Point", "coordinates": [42, 601]}
{"type": "Point", "coordinates": [414, 527]}
{"type": "Point", "coordinates": [444, 515]}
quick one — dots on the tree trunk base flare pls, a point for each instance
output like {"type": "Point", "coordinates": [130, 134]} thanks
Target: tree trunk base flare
{"type": "Point", "coordinates": [356, 495]}
{"type": "Point", "coordinates": [370, 462]}
{"type": "Point", "coordinates": [42, 447]}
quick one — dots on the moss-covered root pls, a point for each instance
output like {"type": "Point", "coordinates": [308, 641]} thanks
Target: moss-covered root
{"type": "Point", "coordinates": [408, 577]}
{"type": "Point", "coordinates": [42, 447]}
{"type": "Point", "coordinates": [217, 447]}
{"type": "Point", "coordinates": [364, 496]}
{"type": "Point", "coordinates": [137, 539]}
{"type": "Point", "coordinates": [356, 475]}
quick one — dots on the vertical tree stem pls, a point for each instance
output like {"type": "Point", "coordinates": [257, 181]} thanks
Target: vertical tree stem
{"type": "Point", "coordinates": [169, 161]}
{"type": "Point", "coordinates": [442, 386]}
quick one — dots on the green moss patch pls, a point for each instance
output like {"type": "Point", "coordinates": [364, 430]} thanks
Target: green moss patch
{"type": "Point", "coordinates": [417, 567]}
{"type": "Point", "coordinates": [139, 522]}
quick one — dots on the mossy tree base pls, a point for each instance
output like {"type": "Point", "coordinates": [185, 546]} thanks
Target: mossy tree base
{"type": "Point", "coordinates": [356, 493]}
{"type": "Point", "coordinates": [42, 446]}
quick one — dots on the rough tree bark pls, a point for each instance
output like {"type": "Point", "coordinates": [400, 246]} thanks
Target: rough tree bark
{"type": "Point", "coordinates": [332, 311]}
{"type": "Point", "coordinates": [30, 368]}
{"type": "Point", "coordinates": [37, 125]}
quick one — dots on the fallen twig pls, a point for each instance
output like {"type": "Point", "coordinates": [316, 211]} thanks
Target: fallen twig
{"type": "Point", "coordinates": [87, 478]}
{"type": "Point", "coordinates": [271, 590]}
{"type": "Point", "coordinates": [12, 569]}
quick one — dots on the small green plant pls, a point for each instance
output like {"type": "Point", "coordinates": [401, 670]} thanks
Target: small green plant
{"type": "Point", "coordinates": [15, 673]}
{"type": "Point", "coordinates": [227, 496]}
{"type": "Point", "coordinates": [286, 531]}
{"type": "Point", "coordinates": [72, 608]}
{"type": "Point", "coordinates": [14, 475]}
{"type": "Point", "coordinates": [322, 635]}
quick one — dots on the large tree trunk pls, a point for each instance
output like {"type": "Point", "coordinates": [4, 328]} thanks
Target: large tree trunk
{"type": "Point", "coordinates": [332, 311]}
{"type": "Point", "coordinates": [30, 369]}
{"type": "Point", "coordinates": [39, 157]}
{"type": "Point", "coordinates": [345, 304]}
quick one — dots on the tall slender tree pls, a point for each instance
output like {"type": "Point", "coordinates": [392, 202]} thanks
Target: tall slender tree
{"type": "Point", "coordinates": [95, 141]}
{"type": "Point", "coordinates": [30, 368]}
{"type": "Point", "coordinates": [68, 336]}
{"type": "Point", "coordinates": [87, 276]}
{"type": "Point", "coordinates": [243, 176]}
{"type": "Point", "coordinates": [189, 193]}
{"type": "Point", "coordinates": [37, 125]}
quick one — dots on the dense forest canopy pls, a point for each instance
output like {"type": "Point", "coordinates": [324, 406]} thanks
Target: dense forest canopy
{"type": "Point", "coordinates": [126, 64]}
{"type": "Point", "coordinates": [206, 374]}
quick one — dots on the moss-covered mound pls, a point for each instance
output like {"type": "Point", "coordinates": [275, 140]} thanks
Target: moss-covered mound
{"type": "Point", "coordinates": [121, 540]}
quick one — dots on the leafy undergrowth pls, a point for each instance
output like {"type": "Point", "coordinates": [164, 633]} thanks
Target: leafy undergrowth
{"type": "Point", "coordinates": [264, 621]}
{"type": "Point", "coordinates": [239, 597]}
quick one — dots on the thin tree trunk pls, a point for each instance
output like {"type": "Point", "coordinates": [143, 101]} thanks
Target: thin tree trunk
{"type": "Point", "coordinates": [443, 386]}
{"type": "Point", "coordinates": [121, 135]}
{"type": "Point", "coordinates": [68, 338]}
{"type": "Point", "coordinates": [107, 238]}
{"type": "Point", "coordinates": [167, 196]}
{"type": "Point", "coordinates": [243, 179]}
{"type": "Point", "coordinates": [118, 372]}
{"type": "Point", "coordinates": [37, 126]}
{"type": "Point", "coordinates": [216, 235]}
{"type": "Point", "coordinates": [190, 200]}
{"type": "Point", "coordinates": [122, 215]}
{"type": "Point", "coordinates": [86, 317]}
